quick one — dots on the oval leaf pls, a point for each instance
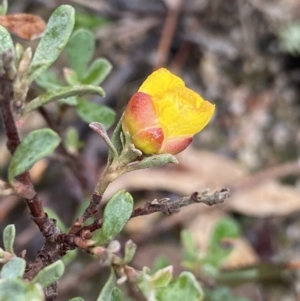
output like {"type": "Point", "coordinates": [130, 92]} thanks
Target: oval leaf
{"type": "Point", "coordinates": [80, 50]}
{"type": "Point", "coordinates": [35, 146]}
{"type": "Point", "coordinates": [97, 73]}
{"type": "Point", "coordinates": [64, 92]}
{"type": "Point", "coordinates": [76, 299]}
{"type": "Point", "coordinates": [55, 38]}
{"type": "Point", "coordinates": [90, 112]}
{"type": "Point", "coordinates": [13, 289]}
{"type": "Point", "coordinates": [9, 235]}
{"type": "Point", "coordinates": [49, 274]}
{"type": "Point", "coordinates": [116, 214]}
{"type": "Point", "coordinates": [13, 269]}
{"type": "Point", "coordinates": [181, 287]}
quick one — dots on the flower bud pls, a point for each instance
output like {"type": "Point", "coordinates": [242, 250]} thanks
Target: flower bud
{"type": "Point", "coordinates": [164, 115]}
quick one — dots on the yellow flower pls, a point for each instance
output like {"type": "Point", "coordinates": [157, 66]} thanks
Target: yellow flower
{"type": "Point", "coordinates": [164, 114]}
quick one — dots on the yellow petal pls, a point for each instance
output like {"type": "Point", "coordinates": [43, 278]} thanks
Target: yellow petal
{"type": "Point", "coordinates": [160, 82]}
{"type": "Point", "coordinates": [182, 112]}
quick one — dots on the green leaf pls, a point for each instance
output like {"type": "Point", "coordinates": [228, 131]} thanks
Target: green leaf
{"type": "Point", "coordinates": [69, 257]}
{"type": "Point", "coordinates": [13, 269]}
{"type": "Point", "coordinates": [35, 146]}
{"type": "Point", "coordinates": [91, 21]}
{"type": "Point", "coordinates": [225, 228]}
{"type": "Point", "coordinates": [3, 7]}
{"type": "Point", "coordinates": [180, 288]}
{"type": "Point", "coordinates": [34, 292]}
{"type": "Point", "coordinates": [80, 50]}
{"type": "Point", "coordinates": [116, 139]}
{"type": "Point", "coordinates": [89, 112]}
{"type": "Point", "coordinates": [97, 72]}
{"type": "Point", "coordinates": [116, 214]}
{"type": "Point", "coordinates": [129, 252]}
{"type": "Point", "coordinates": [53, 215]}
{"type": "Point", "coordinates": [71, 101]}
{"type": "Point", "coordinates": [9, 235]}
{"type": "Point", "coordinates": [60, 93]}
{"type": "Point", "coordinates": [49, 274]}
{"type": "Point", "coordinates": [71, 77]}
{"type": "Point", "coordinates": [6, 41]}
{"type": "Point", "coordinates": [54, 40]}
{"type": "Point", "coordinates": [48, 81]}
{"type": "Point", "coordinates": [162, 277]}
{"type": "Point", "coordinates": [77, 299]}
{"type": "Point", "coordinates": [152, 161]}
{"type": "Point", "coordinates": [72, 141]}
{"type": "Point", "coordinates": [12, 289]}
{"type": "Point", "coordinates": [107, 290]}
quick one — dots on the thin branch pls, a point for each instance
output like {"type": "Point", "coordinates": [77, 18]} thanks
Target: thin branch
{"type": "Point", "coordinates": [24, 185]}
{"type": "Point", "coordinates": [168, 206]}
{"type": "Point", "coordinates": [13, 140]}
{"type": "Point", "coordinates": [88, 212]}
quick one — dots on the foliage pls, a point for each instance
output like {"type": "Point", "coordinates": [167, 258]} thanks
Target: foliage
{"type": "Point", "coordinates": [21, 280]}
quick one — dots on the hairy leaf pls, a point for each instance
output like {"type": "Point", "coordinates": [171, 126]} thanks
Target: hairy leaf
{"type": "Point", "coordinates": [116, 214]}
{"type": "Point", "coordinates": [49, 274]}
{"type": "Point", "coordinates": [89, 112]}
{"type": "Point", "coordinates": [9, 235]}
{"type": "Point", "coordinates": [80, 50]}
{"type": "Point", "coordinates": [64, 92]}
{"type": "Point", "coordinates": [13, 269]}
{"type": "Point", "coordinates": [54, 40]}
{"type": "Point", "coordinates": [185, 285]}
{"type": "Point", "coordinates": [35, 146]}
{"type": "Point", "coordinates": [97, 72]}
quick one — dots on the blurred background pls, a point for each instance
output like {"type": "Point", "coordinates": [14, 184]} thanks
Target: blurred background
{"type": "Point", "coordinates": [243, 56]}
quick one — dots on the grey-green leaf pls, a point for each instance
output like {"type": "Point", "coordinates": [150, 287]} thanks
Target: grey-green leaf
{"type": "Point", "coordinates": [34, 292]}
{"type": "Point", "coordinates": [54, 40]}
{"type": "Point", "coordinates": [49, 274]}
{"type": "Point", "coordinates": [6, 41]}
{"type": "Point", "coordinates": [107, 290]}
{"type": "Point", "coordinates": [12, 289]}
{"type": "Point", "coordinates": [64, 92]}
{"type": "Point", "coordinates": [13, 269]}
{"type": "Point", "coordinates": [152, 161]}
{"type": "Point", "coordinates": [90, 112]}
{"type": "Point", "coordinates": [97, 72]}
{"type": "Point", "coordinates": [48, 81]}
{"type": "Point", "coordinates": [116, 214]}
{"type": "Point", "coordinates": [181, 287]}
{"type": "Point", "coordinates": [9, 235]}
{"type": "Point", "coordinates": [225, 228]}
{"type": "Point", "coordinates": [129, 252]}
{"type": "Point", "coordinates": [80, 50]}
{"type": "Point", "coordinates": [35, 146]}
{"type": "Point", "coordinates": [77, 299]}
